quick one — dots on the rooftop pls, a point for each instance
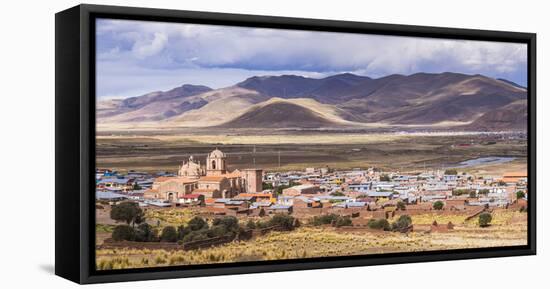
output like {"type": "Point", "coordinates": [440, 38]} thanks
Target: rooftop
{"type": "Point", "coordinates": [212, 178]}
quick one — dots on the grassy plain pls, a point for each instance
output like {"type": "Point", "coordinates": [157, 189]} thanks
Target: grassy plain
{"type": "Point", "coordinates": [508, 229]}
{"type": "Point", "coordinates": [297, 151]}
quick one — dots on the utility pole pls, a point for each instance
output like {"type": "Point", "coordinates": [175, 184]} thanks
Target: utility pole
{"type": "Point", "coordinates": [254, 156]}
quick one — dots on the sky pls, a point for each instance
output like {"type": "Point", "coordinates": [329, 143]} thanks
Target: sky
{"type": "Point", "coordinates": [137, 57]}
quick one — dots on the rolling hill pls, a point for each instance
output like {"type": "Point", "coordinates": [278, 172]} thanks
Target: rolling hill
{"type": "Point", "coordinates": [423, 99]}
{"type": "Point", "coordinates": [280, 114]}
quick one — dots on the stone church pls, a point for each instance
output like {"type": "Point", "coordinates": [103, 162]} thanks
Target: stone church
{"type": "Point", "coordinates": [212, 180]}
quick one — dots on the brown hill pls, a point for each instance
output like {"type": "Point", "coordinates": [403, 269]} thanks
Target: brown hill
{"type": "Point", "coordinates": [429, 99]}
{"type": "Point", "coordinates": [512, 116]}
{"type": "Point", "coordinates": [280, 115]}
{"type": "Point", "coordinates": [156, 105]}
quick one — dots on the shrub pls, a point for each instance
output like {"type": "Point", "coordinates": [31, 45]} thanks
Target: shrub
{"type": "Point", "coordinates": [261, 225]}
{"type": "Point", "coordinates": [483, 191]}
{"type": "Point", "coordinates": [145, 233]}
{"type": "Point", "coordinates": [183, 231]}
{"type": "Point", "coordinates": [230, 223]}
{"type": "Point", "coordinates": [160, 260]}
{"type": "Point", "coordinates": [217, 231]}
{"type": "Point", "coordinates": [169, 234]}
{"type": "Point", "coordinates": [250, 225]}
{"type": "Point", "coordinates": [485, 219]}
{"type": "Point", "coordinates": [379, 224]}
{"type": "Point", "coordinates": [520, 194]}
{"type": "Point", "coordinates": [195, 236]}
{"type": "Point", "coordinates": [401, 206]}
{"type": "Point", "coordinates": [128, 212]}
{"type": "Point", "coordinates": [402, 223]}
{"type": "Point", "coordinates": [343, 221]}
{"type": "Point", "coordinates": [267, 186]}
{"type": "Point", "coordinates": [459, 192]}
{"type": "Point", "coordinates": [123, 233]}
{"type": "Point", "coordinates": [262, 212]}
{"type": "Point", "coordinates": [438, 205]}
{"type": "Point", "coordinates": [337, 194]}
{"type": "Point", "coordinates": [282, 220]}
{"type": "Point", "coordinates": [197, 223]}
{"type": "Point", "coordinates": [335, 220]}
{"type": "Point", "coordinates": [324, 219]}
{"type": "Point", "coordinates": [451, 172]}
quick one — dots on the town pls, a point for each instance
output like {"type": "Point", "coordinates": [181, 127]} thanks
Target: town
{"type": "Point", "coordinates": [357, 202]}
{"type": "Point", "coordinates": [312, 191]}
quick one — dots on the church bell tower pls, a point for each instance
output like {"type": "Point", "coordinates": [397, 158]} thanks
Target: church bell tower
{"type": "Point", "coordinates": [215, 163]}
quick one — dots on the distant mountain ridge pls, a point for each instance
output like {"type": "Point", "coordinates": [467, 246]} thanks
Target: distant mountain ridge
{"type": "Point", "coordinates": [421, 99]}
{"type": "Point", "coordinates": [178, 92]}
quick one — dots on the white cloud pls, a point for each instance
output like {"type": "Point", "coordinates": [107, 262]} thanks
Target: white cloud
{"type": "Point", "coordinates": [165, 48]}
{"type": "Point", "coordinates": [145, 47]}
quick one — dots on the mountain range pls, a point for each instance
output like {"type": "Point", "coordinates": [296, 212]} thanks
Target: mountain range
{"type": "Point", "coordinates": [426, 100]}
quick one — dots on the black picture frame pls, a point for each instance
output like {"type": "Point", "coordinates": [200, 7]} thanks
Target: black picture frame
{"type": "Point", "coordinates": [75, 142]}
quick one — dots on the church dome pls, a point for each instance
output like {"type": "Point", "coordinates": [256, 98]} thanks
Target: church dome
{"type": "Point", "coordinates": [217, 154]}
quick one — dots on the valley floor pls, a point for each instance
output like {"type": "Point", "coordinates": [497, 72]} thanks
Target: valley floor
{"type": "Point", "coordinates": [153, 153]}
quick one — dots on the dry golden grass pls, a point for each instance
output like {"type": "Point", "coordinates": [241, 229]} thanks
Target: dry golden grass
{"type": "Point", "coordinates": [322, 242]}
{"type": "Point", "coordinates": [324, 138]}
{"type": "Point", "coordinates": [173, 217]}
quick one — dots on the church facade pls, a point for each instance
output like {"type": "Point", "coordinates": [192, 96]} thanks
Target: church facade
{"type": "Point", "coordinates": [212, 180]}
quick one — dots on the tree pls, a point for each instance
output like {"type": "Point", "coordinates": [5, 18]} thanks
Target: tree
{"type": "Point", "coordinates": [267, 186]}
{"type": "Point", "coordinates": [183, 231]}
{"type": "Point", "coordinates": [520, 194]}
{"type": "Point", "coordinates": [262, 212]}
{"type": "Point", "coordinates": [451, 172]}
{"type": "Point", "coordinates": [403, 222]}
{"type": "Point", "coordinates": [438, 205]}
{"type": "Point", "coordinates": [197, 223]}
{"type": "Point", "coordinates": [228, 225]}
{"type": "Point", "coordinates": [123, 233]}
{"type": "Point", "coordinates": [169, 234]}
{"type": "Point", "coordinates": [128, 212]}
{"type": "Point", "coordinates": [401, 206]}
{"type": "Point", "coordinates": [337, 194]}
{"type": "Point", "coordinates": [485, 219]}
{"type": "Point", "coordinates": [229, 222]}
{"type": "Point", "coordinates": [145, 233]}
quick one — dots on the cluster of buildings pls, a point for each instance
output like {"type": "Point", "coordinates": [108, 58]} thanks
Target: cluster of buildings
{"type": "Point", "coordinates": [212, 187]}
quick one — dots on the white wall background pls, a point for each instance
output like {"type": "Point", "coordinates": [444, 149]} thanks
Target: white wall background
{"type": "Point", "coordinates": [27, 143]}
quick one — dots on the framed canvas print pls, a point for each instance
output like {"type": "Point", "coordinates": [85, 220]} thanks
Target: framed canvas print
{"type": "Point", "coordinates": [195, 144]}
